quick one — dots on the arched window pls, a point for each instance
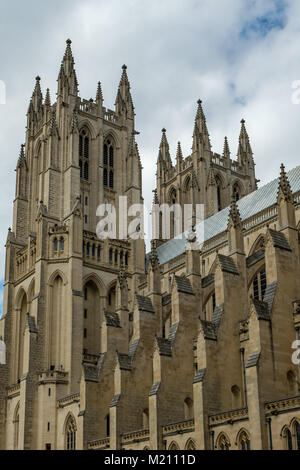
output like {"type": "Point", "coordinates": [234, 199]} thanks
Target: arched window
{"type": "Point", "coordinates": [121, 257]}
{"type": "Point", "coordinates": [260, 284]}
{"type": "Point", "coordinates": [219, 193]}
{"type": "Point", "coordinates": [116, 257]}
{"type": "Point", "coordinates": [236, 397]}
{"type": "Point", "coordinates": [146, 419]}
{"type": "Point", "coordinates": [223, 442]}
{"type": "Point", "coordinates": [84, 144]}
{"type": "Point", "coordinates": [93, 251]}
{"type": "Point", "coordinates": [110, 255]}
{"type": "Point", "coordinates": [55, 244]}
{"type": "Point", "coordinates": [16, 423]}
{"type": "Point", "coordinates": [244, 441]}
{"type": "Point", "coordinates": [292, 383]}
{"type": "Point", "coordinates": [236, 192]}
{"type": "Point", "coordinates": [108, 163]}
{"type": "Point", "coordinates": [62, 244]}
{"type": "Point", "coordinates": [111, 298]}
{"type": "Point", "coordinates": [105, 177]}
{"type": "Point", "coordinates": [126, 259]}
{"type": "Point", "coordinates": [297, 435]}
{"type": "Point", "coordinates": [188, 408]}
{"type": "Point", "coordinates": [111, 156]}
{"type": "Point", "coordinates": [190, 445]}
{"type": "Point", "coordinates": [287, 436]}
{"type": "Point", "coordinates": [111, 179]}
{"type": "Point", "coordinates": [86, 171]}
{"type": "Point", "coordinates": [107, 422]}
{"type": "Point", "coordinates": [173, 446]}
{"type": "Point", "coordinates": [70, 434]}
{"type": "Point", "coordinates": [88, 249]}
{"type": "Point", "coordinates": [98, 252]}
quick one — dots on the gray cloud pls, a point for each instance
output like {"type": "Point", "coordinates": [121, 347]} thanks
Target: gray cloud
{"type": "Point", "coordinates": [239, 57]}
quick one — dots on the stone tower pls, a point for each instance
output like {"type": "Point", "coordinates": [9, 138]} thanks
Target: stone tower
{"type": "Point", "coordinates": [204, 177]}
{"type": "Point", "coordinates": [77, 155]}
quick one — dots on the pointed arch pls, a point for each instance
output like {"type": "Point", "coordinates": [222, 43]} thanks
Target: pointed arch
{"type": "Point", "coordinates": [172, 195]}
{"type": "Point", "coordinates": [54, 275]}
{"type": "Point", "coordinates": [70, 430]}
{"type": "Point", "coordinates": [190, 445]}
{"type": "Point", "coordinates": [31, 291]}
{"type": "Point", "coordinates": [223, 442]}
{"type": "Point", "coordinates": [110, 133]}
{"type": "Point", "coordinates": [16, 423]}
{"type": "Point", "coordinates": [286, 435]}
{"type": "Point", "coordinates": [173, 446]}
{"type": "Point", "coordinates": [243, 439]}
{"type": "Point", "coordinates": [92, 316]}
{"type": "Point", "coordinates": [259, 244]}
{"type": "Point", "coordinates": [97, 280]}
{"type": "Point", "coordinates": [86, 124]}
{"type": "Point", "coordinates": [188, 408]}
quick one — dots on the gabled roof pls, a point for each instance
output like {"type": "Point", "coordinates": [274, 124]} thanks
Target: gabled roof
{"type": "Point", "coordinates": [249, 205]}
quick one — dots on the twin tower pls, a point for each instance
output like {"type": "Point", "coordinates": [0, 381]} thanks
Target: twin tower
{"type": "Point", "coordinates": [61, 281]}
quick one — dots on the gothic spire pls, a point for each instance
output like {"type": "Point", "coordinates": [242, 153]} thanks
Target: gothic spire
{"type": "Point", "coordinates": [99, 95]}
{"type": "Point", "coordinates": [22, 158]}
{"type": "Point", "coordinates": [244, 150]}
{"type": "Point", "coordinates": [201, 135]}
{"type": "Point", "coordinates": [164, 150]}
{"type": "Point", "coordinates": [284, 188]}
{"type": "Point", "coordinates": [67, 79]}
{"type": "Point", "coordinates": [124, 103]}
{"type": "Point", "coordinates": [153, 259]}
{"type": "Point", "coordinates": [37, 97]}
{"type": "Point", "coordinates": [179, 156]}
{"type": "Point", "coordinates": [226, 150]}
{"type": "Point", "coordinates": [48, 99]}
{"type": "Point", "coordinates": [234, 213]}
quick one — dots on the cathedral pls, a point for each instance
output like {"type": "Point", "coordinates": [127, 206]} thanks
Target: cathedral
{"type": "Point", "coordinates": [106, 347]}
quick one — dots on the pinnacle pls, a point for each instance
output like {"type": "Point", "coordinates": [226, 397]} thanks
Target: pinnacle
{"type": "Point", "coordinates": [284, 185]}
{"type": "Point", "coordinates": [47, 98]}
{"type": "Point", "coordinates": [99, 95]}
{"type": "Point", "coordinates": [154, 260]}
{"type": "Point", "coordinates": [179, 152]}
{"type": "Point", "coordinates": [234, 213]}
{"type": "Point", "coordinates": [226, 150]}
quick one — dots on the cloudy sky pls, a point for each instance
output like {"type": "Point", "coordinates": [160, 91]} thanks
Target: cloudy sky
{"type": "Point", "coordinates": [240, 57]}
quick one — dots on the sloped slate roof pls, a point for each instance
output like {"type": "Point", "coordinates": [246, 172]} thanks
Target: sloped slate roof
{"type": "Point", "coordinates": [253, 359]}
{"type": "Point", "coordinates": [279, 240]}
{"type": "Point", "coordinates": [249, 205]}
{"type": "Point", "coordinates": [164, 347]}
{"type": "Point", "coordinates": [145, 304]}
{"type": "Point", "coordinates": [257, 256]}
{"type": "Point", "coordinates": [207, 280]}
{"type": "Point", "coordinates": [184, 285]}
{"type": "Point", "coordinates": [270, 295]}
{"type": "Point", "coordinates": [227, 264]}
{"type": "Point", "coordinates": [261, 309]}
{"type": "Point", "coordinates": [112, 319]}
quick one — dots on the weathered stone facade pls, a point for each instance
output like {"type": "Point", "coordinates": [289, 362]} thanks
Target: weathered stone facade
{"type": "Point", "coordinates": [107, 348]}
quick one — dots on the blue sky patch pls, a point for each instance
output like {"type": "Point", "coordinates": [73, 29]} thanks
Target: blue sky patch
{"type": "Point", "coordinates": [261, 26]}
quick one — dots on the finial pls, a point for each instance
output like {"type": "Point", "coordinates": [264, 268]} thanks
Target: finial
{"type": "Point", "coordinates": [9, 229]}
{"type": "Point", "coordinates": [199, 101]}
{"type": "Point", "coordinates": [243, 121]}
{"type": "Point", "coordinates": [38, 78]}
{"type": "Point", "coordinates": [69, 42]}
{"type": "Point", "coordinates": [164, 130]}
{"type": "Point", "coordinates": [124, 67]}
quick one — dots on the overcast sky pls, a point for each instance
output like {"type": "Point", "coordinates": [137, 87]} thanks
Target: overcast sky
{"type": "Point", "coordinates": [239, 56]}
